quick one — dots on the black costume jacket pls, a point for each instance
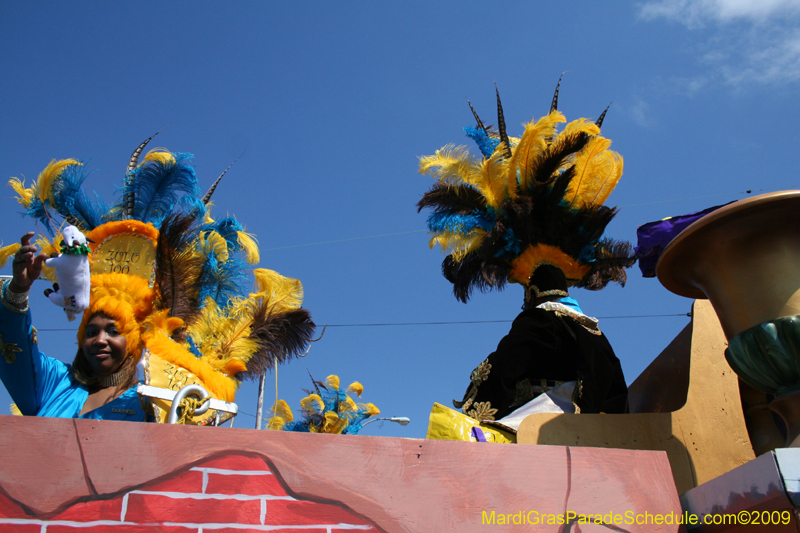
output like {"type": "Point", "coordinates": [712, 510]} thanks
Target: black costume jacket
{"type": "Point", "coordinates": [543, 349]}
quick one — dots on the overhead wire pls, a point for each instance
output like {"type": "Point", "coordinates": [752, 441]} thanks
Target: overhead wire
{"type": "Point", "coordinates": [748, 191]}
{"type": "Point", "coordinates": [440, 323]}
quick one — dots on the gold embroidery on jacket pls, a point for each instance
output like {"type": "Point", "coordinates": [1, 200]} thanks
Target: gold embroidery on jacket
{"type": "Point", "coordinates": [9, 350]}
{"type": "Point", "coordinates": [482, 411]}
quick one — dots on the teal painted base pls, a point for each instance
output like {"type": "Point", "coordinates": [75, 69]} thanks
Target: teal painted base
{"type": "Point", "coordinates": [767, 356]}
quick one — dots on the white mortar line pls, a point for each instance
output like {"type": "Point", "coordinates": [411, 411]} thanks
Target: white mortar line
{"type": "Point", "coordinates": [124, 508]}
{"type": "Point", "coordinates": [188, 525]}
{"type": "Point", "coordinates": [263, 510]}
{"type": "Point", "coordinates": [227, 472]}
{"type": "Point", "coordinates": [205, 481]}
{"type": "Point", "coordinates": [203, 496]}
{"type": "Point", "coordinates": [211, 527]}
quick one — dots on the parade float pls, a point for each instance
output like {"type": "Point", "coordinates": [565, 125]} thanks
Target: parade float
{"type": "Point", "coordinates": [698, 449]}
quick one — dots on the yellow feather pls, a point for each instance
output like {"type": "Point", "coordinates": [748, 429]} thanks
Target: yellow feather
{"type": "Point", "coordinates": [597, 172]}
{"type": "Point", "coordinates": [204, 327]}
{"type": "Point", "coordinates": [222, 336]}
{"type": "Point", "coordinates": [26, 196]}
{"type": "Point", "coordinates": [214, 243]}
{"type": "Point", "coordinates": [281, 414]}
{"type": "Point", "coordinates": [44, 184]}
{"type": "Point", "coordinates": [356, 388]}
{"type": "Point", "coordinates": [15, 410]}
{"type": "Point", "coordinates": [456, 243]}
{"type": "Point", "coordinates": [533, 142]}
{"type": "Point", "coordinates": [348, 405]}
{"type": "Point", "coordinates": [42, 188]}
{"type": "Point", "coordinates": [48, 248]}
{"type": "Point", "coordinates": [275, 423]}
{"type": "Point", "coordinates": [162, 155]}
{"type": "Point", "coordinates": [490, 179]}
{"type": "Point", "coordinates": [7, 251]}
{"type": "Point", "coordinates": [207, 217]}
{"type": "Point", "coordinates": [611, 171]}
{"type": "Point", "coordinates": [370, 409]}
{"type": "Point", "coordinates": [581, 125]}
{"type": "Point", "coordinates": [278, 292]}
{"type": "Point", "coordinates": [249, 246]}
{"type": "Point", "coordinates": [233, 367]}
{"type": "Point", "coordinates": [334, 424]}
{"type": "Point", "coordinates": [332, 382]}
{"type": "Point", "coordinates": [450, 164]}
{"type": "Point", "coordinates": [313, 403]}
{"type": "Point", "coordinates": [281, 409]}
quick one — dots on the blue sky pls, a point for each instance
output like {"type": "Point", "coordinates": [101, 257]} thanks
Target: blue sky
{"type": "Point", "coordinates": [333, 103]}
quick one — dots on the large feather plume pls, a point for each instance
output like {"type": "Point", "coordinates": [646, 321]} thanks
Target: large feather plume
{"type": "Point", "coordinates": [529, 201]}
{"type": "Point", "coordinates": [40, 196]}
{"type": "Point", "coordinates": [203, 319]}
{"type": "Point", "coordinates": [329, 409]}
{"type": "Point", "coordinates": [159, 184]}
{"type": "Point", "coordinates": [266, 328]}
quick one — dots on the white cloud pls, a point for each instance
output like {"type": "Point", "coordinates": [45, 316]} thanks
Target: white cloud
{"type": "Point", "coordinates": [746, 41]}
{"type": "Point", "coordinates": [695, 13]}
{"type": "Point", "coordinates": [639, 111]}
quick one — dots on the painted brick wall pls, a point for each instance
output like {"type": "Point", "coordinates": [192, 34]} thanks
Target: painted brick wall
{"type": "Point", "coordinates": [232, 494]}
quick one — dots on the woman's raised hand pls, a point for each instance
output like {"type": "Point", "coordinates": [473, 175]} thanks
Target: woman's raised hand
{"type": "Point", "coordinates": [27, 265]}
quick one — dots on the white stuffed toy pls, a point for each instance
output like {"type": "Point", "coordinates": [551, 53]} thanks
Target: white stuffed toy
{"type": "Point", "coordinates": [72, 270]}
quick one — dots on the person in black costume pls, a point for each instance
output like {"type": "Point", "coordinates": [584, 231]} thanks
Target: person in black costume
{"type": "Point", "coordinates": [532, 211]}
{"type": "Point", "coordinates": [547, 346]}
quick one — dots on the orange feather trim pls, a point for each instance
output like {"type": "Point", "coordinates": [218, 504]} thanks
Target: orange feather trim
{"type": "Point", "coordinates": [109, 229]}
{"type": "Point", "coordinates": [523, 267]}
{"type": "Point", "coordinates": [219, 385]}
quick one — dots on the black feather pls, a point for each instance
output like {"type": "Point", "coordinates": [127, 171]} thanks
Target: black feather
{"type": "Point", "coordinates": [599, 122]}
{"type": "Point", "coordinates": [280, 337]}
{"type": "Point", "coordinates": [455, 199]}
{"type": "Point", "coordinates": [501, 124]}
{"type": "Point", "coordinates": [554, 103]}
{"type": "Point", "coordinates": [177, 268]}
{"type": "Point", "coordinates": [477, 118]}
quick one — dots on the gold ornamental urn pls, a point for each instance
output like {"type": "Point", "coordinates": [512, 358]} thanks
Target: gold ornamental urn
{"type": "Point", "coordinates": [745, 259]}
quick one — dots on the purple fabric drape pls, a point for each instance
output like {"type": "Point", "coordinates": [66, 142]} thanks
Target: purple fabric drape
{"type": "Point", "coordinates": [653, 237]}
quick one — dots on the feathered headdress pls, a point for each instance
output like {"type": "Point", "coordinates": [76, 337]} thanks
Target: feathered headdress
{"type": "Point", "coordinates": [529, 201]}
{"type": "Point", "coordinates": [327, 409]}
{"type": "Point", "coordinates": [197, 322]}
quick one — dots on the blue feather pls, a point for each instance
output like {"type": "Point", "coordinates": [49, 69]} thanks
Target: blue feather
{"type": "Point", "coordinates": [193, 206]}
{"type": "Point", "coordinates": [511, 245]}
{"type": "Point", "coordinates": [222, 281]}
{"type": "Point", "coordinates": [72, 202]}
{"type": "Point", "coordinates": [157, 185]}
{"type": "Point", "coordinates": [485, 143]}
{"type": "Point", "coordinates": [228, 228]}
{"type": "Point", "coordinates": [459, 223]}
{"type": "Point", "coordinates": [331, 398]}
{"type": "Point", "coordinates": [38, 210]}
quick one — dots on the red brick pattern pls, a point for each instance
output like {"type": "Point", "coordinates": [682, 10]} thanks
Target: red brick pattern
{"type": "Point", "coordinates": [231, 494]}
{"type": "Point", "coordinates": [15, 528]}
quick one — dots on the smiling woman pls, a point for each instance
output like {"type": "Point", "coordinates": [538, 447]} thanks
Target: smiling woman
{"type": "Point", "coordinates": [167, 288]}
{"type": "Point", "coordinates": [101, 382]}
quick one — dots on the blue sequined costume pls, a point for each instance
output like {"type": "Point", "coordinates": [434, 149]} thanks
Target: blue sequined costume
{"type": "Point", "coordinates": [43, 386]}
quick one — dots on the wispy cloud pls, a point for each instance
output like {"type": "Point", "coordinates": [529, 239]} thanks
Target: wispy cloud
{"type": "Point", "coordinates": [742, 41]}
{"type": "Point", "coordinates": [639, 111]}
